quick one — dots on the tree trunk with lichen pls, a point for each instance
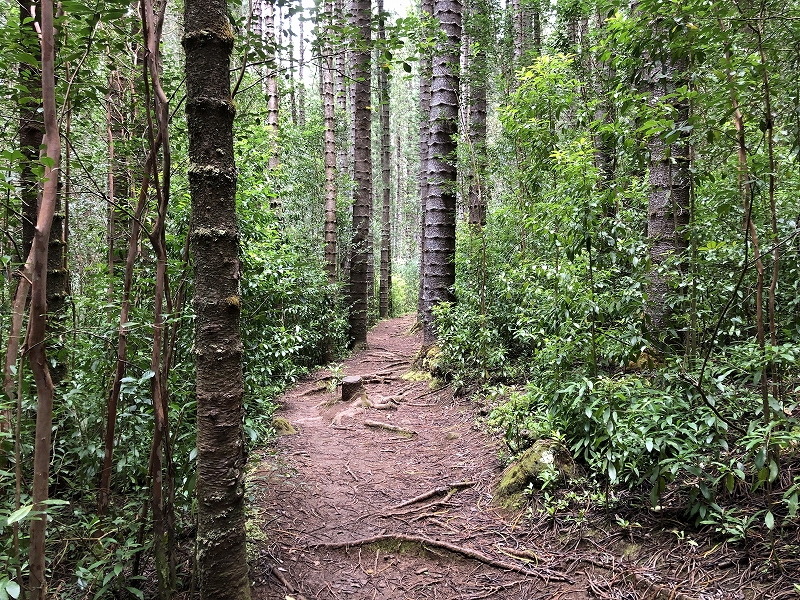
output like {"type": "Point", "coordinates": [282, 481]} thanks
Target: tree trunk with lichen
{"type": "Point", "coordinates": [221, 547]}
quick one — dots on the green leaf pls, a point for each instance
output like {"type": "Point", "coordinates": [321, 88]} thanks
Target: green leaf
{"type": "Point", "coordinates": [769, 520]}
{"type": "Point", "coordinates": [136, 592]}
{"type": "Point", "coordinates": [612, 472]}
{"type": "Point", "coordinates": [12, 587]}
{"type": "Point", "coordinates": [773, 470]}
{"type": "Point", "coordinates": [791, 503]}
{"type": "Point", "coordinates": [19, 514]}
{"type": "Point", "coordinates": [729, 482]}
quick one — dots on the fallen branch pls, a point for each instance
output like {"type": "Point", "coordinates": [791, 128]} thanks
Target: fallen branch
{"type": "Point", "coordinates": [545, 574]}
{"type": "Point", "coordinates": [389, 427]}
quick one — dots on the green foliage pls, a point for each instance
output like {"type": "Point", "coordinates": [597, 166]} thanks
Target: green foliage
{"type": "Point", "coordinates": [552, 296]}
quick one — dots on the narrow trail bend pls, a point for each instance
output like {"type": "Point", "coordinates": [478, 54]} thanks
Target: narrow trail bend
{"type": "Point", "coordinates": [359, 512]}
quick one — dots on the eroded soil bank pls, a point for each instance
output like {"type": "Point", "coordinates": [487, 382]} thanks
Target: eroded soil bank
{"type": "Point", "coordinates": [345, 510]}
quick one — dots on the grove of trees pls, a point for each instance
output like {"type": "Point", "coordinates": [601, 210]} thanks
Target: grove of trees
{"type": "Point", "coordinates": [591, 205]}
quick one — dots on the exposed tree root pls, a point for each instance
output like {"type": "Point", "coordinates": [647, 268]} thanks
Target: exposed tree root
{"type": "Point", "coordinates": [434, 492]}
{"type": "Point", "coordinates": [389, 427]}
{"type": "Point", "coordinates": [655, 590]}
{"type": "Point", "coordinates": [546, 574]}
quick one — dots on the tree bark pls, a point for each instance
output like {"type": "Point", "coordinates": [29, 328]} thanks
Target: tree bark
{"type": "Point", "coordinates": [670, 184]}
{"type": "Point", "coordinates": [35, 270]}
{"type": "Point", "coordinates": [478, 25]}
{"type": "Point", "coordinates": [669, 181]}
{"type": "Point", "coordinates": [301, 85]}
{"type": "Point", "coordinates": [221, 546]}
{"type": "Point", "coordinates": [424, 135]}
{"type": "Point", "coordinates": [383, 88]}
{"type": "Point", "coordinates": [330, 143]}
{"type": "Point", "coordinates": [272, 96]}
{"type": "Point", "coordinates": [440, 210]}
{"type": "Point", "coordinates": [362, 167]}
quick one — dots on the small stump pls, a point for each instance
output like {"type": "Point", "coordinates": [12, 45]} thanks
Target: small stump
{"type": "Point", "coordinates": [352, 387]}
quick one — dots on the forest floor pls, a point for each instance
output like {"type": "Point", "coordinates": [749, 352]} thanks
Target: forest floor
{"type": "Point", "coordinates": [344, 510]}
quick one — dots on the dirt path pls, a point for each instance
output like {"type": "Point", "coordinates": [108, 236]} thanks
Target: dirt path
{"type": "Point", "coordinates": [329, 484]}
{"type": "Point", "coordinates": [425, 501]}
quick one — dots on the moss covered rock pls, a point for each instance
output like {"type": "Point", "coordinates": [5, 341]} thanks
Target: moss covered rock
{"type": "Point", "coordinates": [545, 461]}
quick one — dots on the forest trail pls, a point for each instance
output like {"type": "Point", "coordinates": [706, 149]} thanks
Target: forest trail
{"type": "Point", "coordinates": [328, 485]}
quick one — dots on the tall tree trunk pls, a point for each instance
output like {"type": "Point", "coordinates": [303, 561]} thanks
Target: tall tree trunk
{"type": "Point", "coordinates": [424, 136]}
{"type": "Point", "coordinates": [290, 75]}
{"type": "Point", "coordinates": [272, 95]}
{"type": "Point", "coordinates": [301, 85]}
{"type": "Point", "coordinates": [668, 198]}
{"type": "Point", "coordinates": [604, 74]}
{"type": "Point", "coordinates": [362, 167]}
{"type": "Point", "coordinates": [35, 270]}
{"type": "Point", "coordinates": [383, 90]}
{"type": "Point", "coordinates": [221, 545]}
{"type": "Point", "coordinates": [330, 142]}
{"type": "Point", "coordinates": [31, 127]}
{"type": "Point", "coordinates": [31, 134]}
{"type": "Point", "coordinates": [478, 25]}
{"type": "Point", "coordinates": [340, 82]}
{"type": "Point", "coordinates": [440, 210]}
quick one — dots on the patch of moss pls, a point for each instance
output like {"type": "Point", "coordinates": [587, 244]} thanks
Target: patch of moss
{"type": "Point", "coordinates": [416, 376]}
{"type": "Point", "coordinates": [282, 426]}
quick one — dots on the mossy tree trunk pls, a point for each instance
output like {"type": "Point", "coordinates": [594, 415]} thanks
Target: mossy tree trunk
{"type": "Point", "coordinates": [221, 546]}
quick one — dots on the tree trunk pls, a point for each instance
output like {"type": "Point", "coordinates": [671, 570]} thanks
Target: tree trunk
{"type": "Point", "coordinates": [31, 134]}
{"type": "Point", "coordinates": [272, 96]}
{"type": "Point", "coordinates": [478, 24]}
{"type": "Point", "coordinates": [383, 88]}
{"type": "Point", "coordinates": [440, 210]}
{"type": "Point", "coordinates": [340, 83]}
{"type": "Point", "coordinates": [424, 135]}
{"type": "Point", "coordinates": [31, 127]}
{"type": "Point", "coordinates": [668, 199]}
{"type": "Point", "coordinates": [362, 167]}
{"type": "Point", "coordinates": [221, 545]}
{"type": "Point", "coordinates": [301, 85]}
{"type": "Point", "coordinates": [35, 270]}
{"type": "Point", "coordinates": [330, 143]}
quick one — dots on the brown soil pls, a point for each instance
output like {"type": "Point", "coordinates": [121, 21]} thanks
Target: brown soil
{"type": "Point", "coordinates": [320, 496]}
